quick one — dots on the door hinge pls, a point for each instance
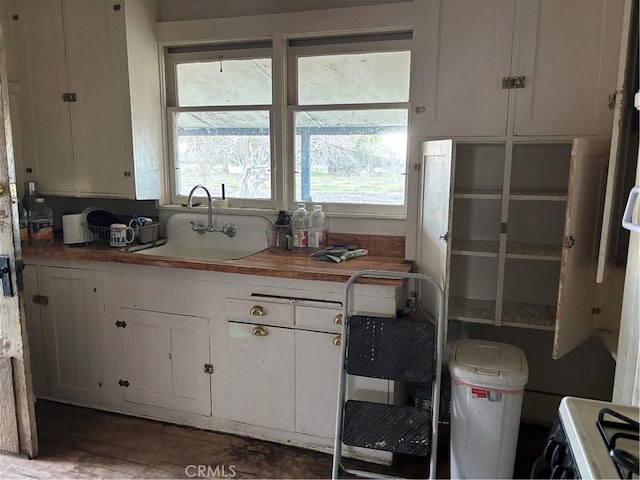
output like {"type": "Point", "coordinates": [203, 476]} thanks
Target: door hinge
{"type": "Point", "coordinates": [571, 241]}
{"type": "Point", "coordinates": [121, 324]}
{"type": "Point", "coordinates": [69, 97]}
{"type": "Point", "coordinates": [208, 368]}
{"type": "Point", "coordinates": [513, 82]}
{"type": "Point", "coordinates": [444, 237]}
{"type": "Point", "coordinates": [420, 109]}
{"type": "Point", "coordinates": [596, 311]}
{"type": "Point", "coordinates": [123, 383]}
{"type": "Point", "coordinates": [503, 227]}
{"type": "Point", "coordinates": [612, 100]}
{"type": "Point", "coordinates": [40, 299]}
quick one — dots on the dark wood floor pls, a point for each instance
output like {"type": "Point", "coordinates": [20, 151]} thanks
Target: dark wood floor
{"type": "Point", "coordinates": [83, 443]}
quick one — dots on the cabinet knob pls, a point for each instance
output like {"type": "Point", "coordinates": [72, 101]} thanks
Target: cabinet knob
{"type": "Point", "coordinates": [260, 331]}
{"type": "Point", "coordinates": [258, 310]}
{"type": "Point", "coordinates": [338, 319]}
{"type": "Point", "coordinates": [337, 340]}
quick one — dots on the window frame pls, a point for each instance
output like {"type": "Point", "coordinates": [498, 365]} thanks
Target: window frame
{"type": "Point", "coordinates": [228, 51]}
{"type": "Point", "coordinates": [331, 46]}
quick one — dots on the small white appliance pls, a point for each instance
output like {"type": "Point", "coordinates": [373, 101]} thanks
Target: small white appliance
{"type": "Point", "coordinates": [73, 229]}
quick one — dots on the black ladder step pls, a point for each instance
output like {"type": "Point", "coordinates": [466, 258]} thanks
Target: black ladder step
{"type": "Point", "coordinates": [391, 428]}
{"type": "Point", "coordinates": [391, 348]}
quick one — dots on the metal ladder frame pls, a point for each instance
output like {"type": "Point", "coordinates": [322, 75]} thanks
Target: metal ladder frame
{"type": "Point", "coordinates": [435, 394]}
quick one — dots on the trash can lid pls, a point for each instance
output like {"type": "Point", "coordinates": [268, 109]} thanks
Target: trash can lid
{"type": "Point", "coordinates": [488, 362]}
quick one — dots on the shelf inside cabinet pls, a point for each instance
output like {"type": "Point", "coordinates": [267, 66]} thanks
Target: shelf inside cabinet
{"type": "Point", "coordinates": [481, 248]}
{"type": "Point", "coordinates": [472, 310]}
{"type": "Point", "coordinates": [533, 251]}
{"type": "Point", "coordinates": [478, 193]}
{"type": "Point", "coordinates": [539, 195]}
{"type": "Point", "coordinates": [527, 315]}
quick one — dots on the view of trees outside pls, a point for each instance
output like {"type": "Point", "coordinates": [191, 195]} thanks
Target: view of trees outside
{"type": "Point", "coordinates": [360, 169]}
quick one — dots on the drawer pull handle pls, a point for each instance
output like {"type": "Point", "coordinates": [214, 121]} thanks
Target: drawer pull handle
{"type": "Point", "coordinates": [337, 340]}
{"type": "Point", "coordinates": [260, 331]}
{"type": "Point", "coordinates": [258, 310]}
{"type": "Point", "coordinates": [338, 319]}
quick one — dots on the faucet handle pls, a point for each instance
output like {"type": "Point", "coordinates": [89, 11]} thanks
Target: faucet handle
{"type": "Point", "coordinates": [229, 230]}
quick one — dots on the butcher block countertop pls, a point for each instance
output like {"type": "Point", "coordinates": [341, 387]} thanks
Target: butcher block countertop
{"type": "Point", "coordinates": [269, 264]}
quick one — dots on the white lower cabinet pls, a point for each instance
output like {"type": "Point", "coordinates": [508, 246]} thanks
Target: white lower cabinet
{"type": "Point", "coordinates": [61, 310]}
{"type": "Point", "coordinates": [264, 364]}
{"type": "Point", "coordinates": [261, 375]}
{"type": "Point", "coordinates": [166, 360]}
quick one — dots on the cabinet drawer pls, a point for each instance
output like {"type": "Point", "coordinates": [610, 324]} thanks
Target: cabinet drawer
{"type": "Point", "coordinates": [319, 319]}
{"type": "Point", "coordinates": [259, 311]}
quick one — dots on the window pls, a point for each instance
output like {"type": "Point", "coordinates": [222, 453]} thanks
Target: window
{"type": "Point", "coordinates": [343, 127]}
{"type": "Point", "coordinates": [350, 112]}
{"type": "Point", "coordinates": [220, 122]}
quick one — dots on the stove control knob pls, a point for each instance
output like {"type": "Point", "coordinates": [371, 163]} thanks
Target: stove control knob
{"type": "Point", "coordinates": [562, 472]}
{"type": "Point", "coordinates": [554, 452]}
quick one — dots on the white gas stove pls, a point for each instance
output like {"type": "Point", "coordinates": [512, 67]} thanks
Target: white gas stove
{"type": "Point", "coordinates": [591, 439]}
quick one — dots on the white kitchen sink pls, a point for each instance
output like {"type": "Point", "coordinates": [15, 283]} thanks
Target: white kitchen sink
{"type": "Point", "coordinates": [183, 242]}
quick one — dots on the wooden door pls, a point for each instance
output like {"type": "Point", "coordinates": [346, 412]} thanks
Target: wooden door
{"type": "Point", "coordinates": [579, 253]}
{"type": "Point", "coordinates": [45, 126]}
{"type": "Point", "coordinates": [17, 414]}
{"type": "Point", "coordinates": [435, 221]}
{"type": "Point", "coordinates": [70, 334]}
{"type": "Point", "coordinates": [567, 50]}
{"type": "Point", "coordinates": [164, 360]}
{"type": "Point", "coordinates": [261, 375]}
{"type": "Point", "coordinates": [96, 62]}
{"type": "Point", "coordinates": [467, 53]}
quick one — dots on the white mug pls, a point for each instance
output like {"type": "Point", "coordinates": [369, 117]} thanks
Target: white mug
{"type": "Point", "coordinates": [121, 235]}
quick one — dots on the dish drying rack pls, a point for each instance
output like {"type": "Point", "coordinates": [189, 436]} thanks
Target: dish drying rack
{"type": "Point", "coordinates": [102, 235]}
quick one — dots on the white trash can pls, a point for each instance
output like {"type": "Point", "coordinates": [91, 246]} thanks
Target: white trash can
{"type": "Point", "coordinates": [487, 385]}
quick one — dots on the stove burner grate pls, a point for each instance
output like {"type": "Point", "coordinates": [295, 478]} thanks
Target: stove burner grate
{"type": "Point", "coordinates": [627, 464]}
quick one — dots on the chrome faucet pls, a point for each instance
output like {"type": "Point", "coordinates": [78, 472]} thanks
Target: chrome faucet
{"type": "Point", "coordinates": [227, 229]}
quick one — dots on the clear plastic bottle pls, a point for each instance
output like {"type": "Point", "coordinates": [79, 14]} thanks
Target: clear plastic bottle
{"type": "Point", "coordinates": [317, 229]}
{"type": "Point", "coordinates": [29, 197]}
{"type": "Point", "coordinates": [40, 223]}
{"type": "Point", "coordinates": [23, 215]}
{"type": "Point", "coordinates": [300, 229]}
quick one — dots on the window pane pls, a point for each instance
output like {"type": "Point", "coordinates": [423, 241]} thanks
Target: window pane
{"type": "Point", "coordinates": [224, 82]}
{"type": "Point", "coordinates": [212, 148]}
{"type": "Point", "coordinates": [354, 156]}
{"type": "Point", "coordinates": [379, 77]}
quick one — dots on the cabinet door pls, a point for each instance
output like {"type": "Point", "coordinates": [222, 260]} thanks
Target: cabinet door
{"type": "Point", "coordinates": [164, 359]}
{"type": "Point", "coordinates": [568, 52]}
{"type": "Point", "coordinates": [45, 119]}
{"type": "Point", "coordinates": [261, 373]}
{"type": "Point", "coordinates": [435, 221]}
{"type": "Point", "coordinates": [467, 55]}
{"type": "Point", "coordinates": [577, 270]}
{"type": "Point", "coordinates": [70, 329]}
{"type": "Point", "coordinates": [317, 366]}
{"type": "Point", "coordinates": [33, 313]}
{"type": "Point", "coordinates": [96, 63]}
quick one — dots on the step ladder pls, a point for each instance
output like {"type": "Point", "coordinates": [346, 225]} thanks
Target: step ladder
{"type": "Point", "coordinates": [402, 350]}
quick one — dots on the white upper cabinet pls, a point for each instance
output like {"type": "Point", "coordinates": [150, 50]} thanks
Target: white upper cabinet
{"type": "Point", "coordinates": [467, 51]}
{"type": "Point", "coordinates": [568, 53]}
{"type": "Point", "coordinates": [90, 98]}
{"type": "Point", "coordinates": [464, 50]}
